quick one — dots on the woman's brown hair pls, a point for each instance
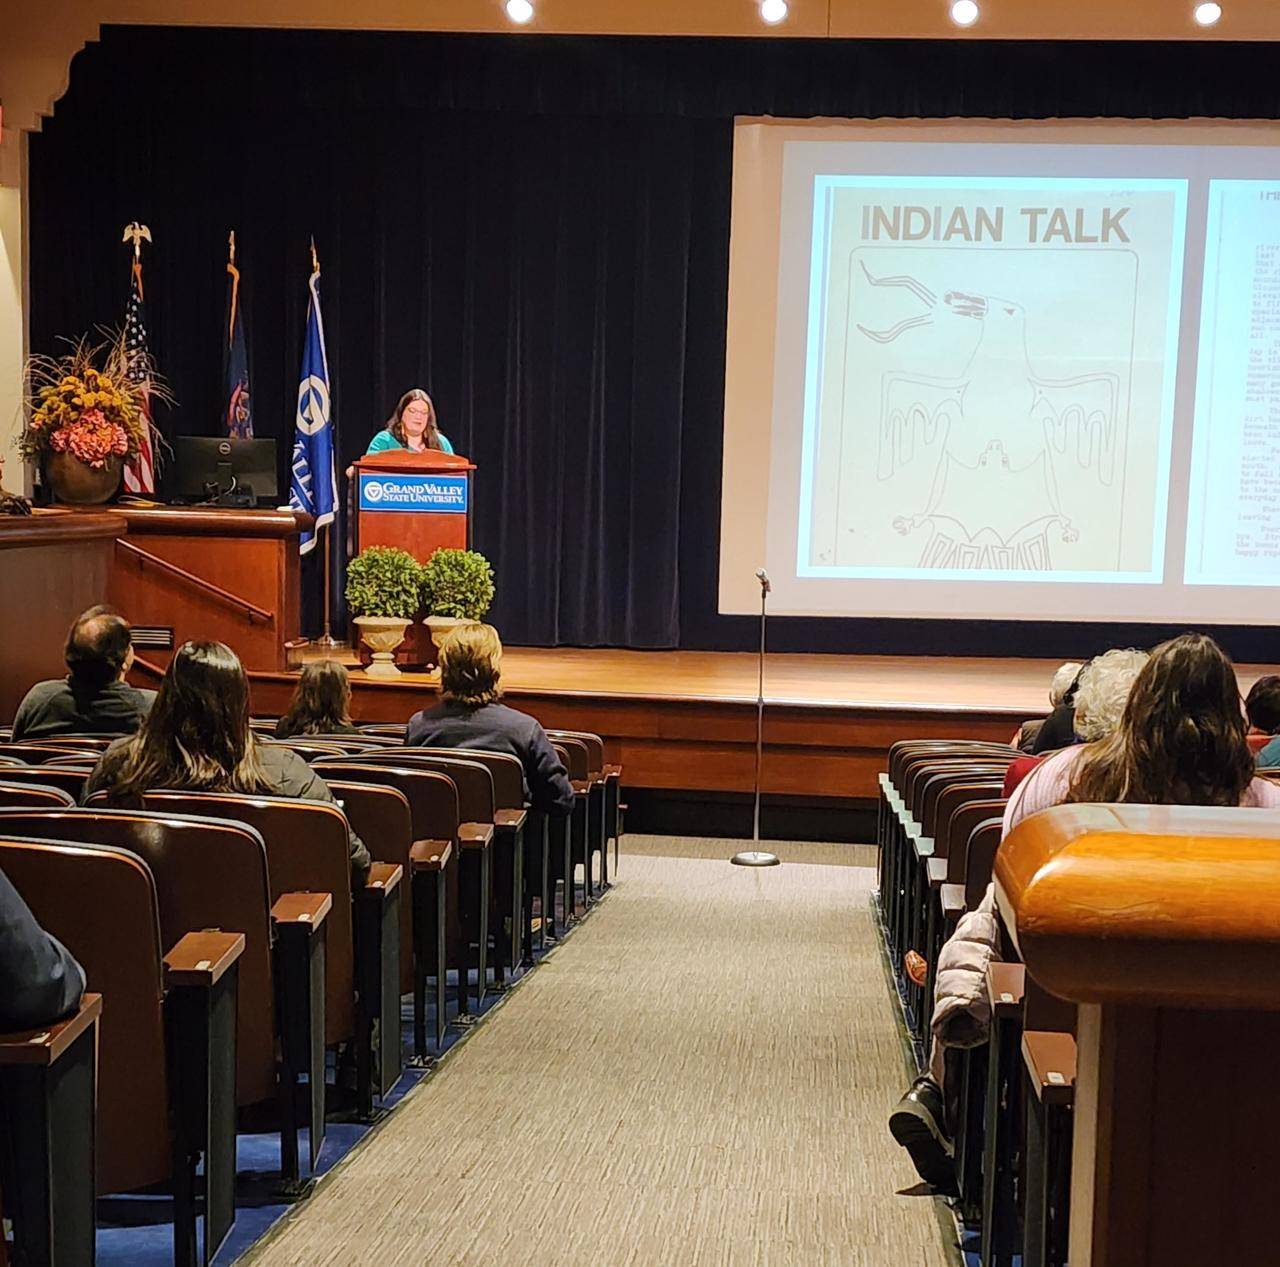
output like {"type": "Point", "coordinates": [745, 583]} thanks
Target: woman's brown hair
{"type": "Point", "coordinates": [395, 424]}
{"type": "Point", "coordinates": [321, 704]}
{"type": "Point", "coordinates": [196, 736]}
{"type": "Point", "coordinates": [470, 665]}
{"type": "Point", "coordinates": [1181, 740]}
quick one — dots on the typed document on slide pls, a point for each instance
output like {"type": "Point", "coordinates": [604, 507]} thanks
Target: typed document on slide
{"type": "Point", "coordinates": [990, 377]}
{"type": "Point", "coordinates": [1233, 522]}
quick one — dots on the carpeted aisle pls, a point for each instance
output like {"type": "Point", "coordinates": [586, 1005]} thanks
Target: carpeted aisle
{"type": "Point", "coordinates": [700, 1075]}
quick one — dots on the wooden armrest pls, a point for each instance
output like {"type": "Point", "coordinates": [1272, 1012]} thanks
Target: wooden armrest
{"type": "Point", "coordinates": [952, 897]}
{"type": "Point", "coordinates": [510, 818]}
{"type": "Point", "coordinates": [44, 1046]}
{"type": "Point", "coordinates": [580, 786]}
{"type": "Point", "coordinates": [200, 959]}
{"type": "Point", "coordinates": [475, 835]}
{"type": "Point", "coordinates": [613, 772]}
{"type": "Point", "coordinates": [430, 855]}
{"type": "Point", "coordinates": [1006, 984]}
{"type": "Point", "coordinates": [302, 908]}
{"type": "Point", "coordinates": [383, 878]}
{"type": "Point", "coordinates": [1050, 1059]}
{"type": "Point", "coordinates": [922, 846]}
{"type": "Point", "coordinates": [937, 872]}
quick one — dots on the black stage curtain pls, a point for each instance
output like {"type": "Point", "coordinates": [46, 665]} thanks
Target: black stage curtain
{"type": "Point", "coordinates": [536, 230]}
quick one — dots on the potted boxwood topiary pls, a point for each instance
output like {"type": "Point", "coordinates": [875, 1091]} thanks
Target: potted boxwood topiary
{"type": "Point", "coordinates": [457, 588]}
{"type": "Point", "coordinates": [384, 590]}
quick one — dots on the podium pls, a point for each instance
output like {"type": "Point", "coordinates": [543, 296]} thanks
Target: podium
{"type": "Point", "coordinates": [420, 502]}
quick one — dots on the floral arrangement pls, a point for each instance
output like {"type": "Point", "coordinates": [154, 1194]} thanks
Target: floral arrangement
{"type": "Point", "coordinates": [86, 404]}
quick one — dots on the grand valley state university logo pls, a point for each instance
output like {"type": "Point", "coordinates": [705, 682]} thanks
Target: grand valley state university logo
{"type": "Point", "coordinates": [437, 493]}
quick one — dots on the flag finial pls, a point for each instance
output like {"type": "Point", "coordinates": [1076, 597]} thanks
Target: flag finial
{"type": "Point", "coordinates": [231, 247]}
{"type": "Point", "coordinates": [137, 234]}
{"type": "Point", "coordinates": [315, 259]}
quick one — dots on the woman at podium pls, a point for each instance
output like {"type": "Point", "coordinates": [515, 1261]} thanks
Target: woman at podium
{"type": "Point", "coordinates": [412, 426]}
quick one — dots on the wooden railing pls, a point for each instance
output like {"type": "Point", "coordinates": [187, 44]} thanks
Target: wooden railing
{"type": "Point", "coordinates": [147, 559]}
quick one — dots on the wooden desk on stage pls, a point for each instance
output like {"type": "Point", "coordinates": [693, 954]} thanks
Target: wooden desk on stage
{"type": "Point", "coordinates": [53, 565]}
{"type": "Point", "coordinates": [229, 575]}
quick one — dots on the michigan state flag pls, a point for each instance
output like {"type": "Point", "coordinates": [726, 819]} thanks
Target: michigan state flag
{"type": "Point", "coordinates": [314, 488]}
{"type": "Point", "coordinates": [237, 404]}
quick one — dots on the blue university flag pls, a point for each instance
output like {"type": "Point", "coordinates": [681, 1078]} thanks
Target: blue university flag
{"type": "Point", "coordinates": [314, 488]}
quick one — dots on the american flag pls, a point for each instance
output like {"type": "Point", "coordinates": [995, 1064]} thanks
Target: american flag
{"type": "Point", "coordinates": [139, 475]}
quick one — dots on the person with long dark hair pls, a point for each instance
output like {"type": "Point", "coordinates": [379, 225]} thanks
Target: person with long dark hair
{"type": "Point", "coordinates": [412, 426]}
{"type": "Point", "coordinates": [322, 703]}
{"type": "Point", "coordinates": [197, 738]}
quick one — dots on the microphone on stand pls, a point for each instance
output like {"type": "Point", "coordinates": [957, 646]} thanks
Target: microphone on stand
{"type": "Point", "coordinates": [757, 857]}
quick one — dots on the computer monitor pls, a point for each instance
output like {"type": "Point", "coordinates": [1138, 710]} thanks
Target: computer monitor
{"type": "Point", "coordinates": [220, 469]}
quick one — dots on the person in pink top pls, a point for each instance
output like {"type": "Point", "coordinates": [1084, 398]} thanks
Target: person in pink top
{"type": "Point", "coordinates": [1180, 741]}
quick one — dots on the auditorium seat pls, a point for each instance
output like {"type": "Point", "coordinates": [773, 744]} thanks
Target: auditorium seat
{"type": "Point", "coordinates": [164, 1108]}
{"type": "Point", "coordinates": [476, 835]}
{"type": "Point", "coordinates": [436, 864]}
{"type": "Point", "coordinates": [70, 779]}
{"type": "Point", "coordinates": [597, 808]}
{"type": "Point", "coordinates": [389, 729]}
{"type": "Point", "coordinates": [577, 760]}
{"type": "Point", "coordinates": [48, 1107]}
{"type": "Point", "coordinates": [308, 851]}
{"type": "Point", "coordinates": [32, 795]}
{"type": "Point", "coordinates": [309, 748]}
{"type": "Point", "coordinates": [514, 870]}
{"type": "Point", "coordinates": [212, 873]}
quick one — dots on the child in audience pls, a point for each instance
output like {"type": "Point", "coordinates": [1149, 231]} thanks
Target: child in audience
{"type": "Point", "coordinates": [1180, 740]}
{"type": "Point", "coordinates": [322, 703]}
{"type": "Point", "coordinates": [197, 738]}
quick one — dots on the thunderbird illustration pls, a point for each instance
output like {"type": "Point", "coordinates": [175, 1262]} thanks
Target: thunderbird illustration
{"type": "Point", "coordinates": [994, 441]}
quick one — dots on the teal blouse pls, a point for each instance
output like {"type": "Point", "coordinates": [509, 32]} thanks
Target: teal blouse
{"type": "Point", "coordinates": [384, 441]}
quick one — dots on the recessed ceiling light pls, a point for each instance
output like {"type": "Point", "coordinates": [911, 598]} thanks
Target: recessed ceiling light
{"type": "Point", "coordinates": [1207, 14]}
{"type": "Point", "coordinates": [519, 11]}
{"type": "Point", "coordinates": [964, 12]}
{"type": "Point", "coordinates": [773, 11]}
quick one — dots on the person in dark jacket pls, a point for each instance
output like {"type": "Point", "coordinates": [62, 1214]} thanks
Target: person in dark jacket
{"type": "Point", "coordinates": [40, 981]}
{"type": "Point", "coordinates": [94, 698]}
{"type": "Point", "coordinates": [322, 703]}
{"type": "Point", "coordinates": [470, 716]}
{"type": "Point", "coordinates": [197, 738]}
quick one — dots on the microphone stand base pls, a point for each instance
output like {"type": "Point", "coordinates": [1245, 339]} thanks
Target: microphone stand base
{"type": "Point", "coordinates": [755, 858]}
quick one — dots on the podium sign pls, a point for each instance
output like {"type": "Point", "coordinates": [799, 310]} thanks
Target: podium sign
{"type": "Point", "coordinates": [420, 502]}
{"type": "Point", "coordinates": [445, 494]}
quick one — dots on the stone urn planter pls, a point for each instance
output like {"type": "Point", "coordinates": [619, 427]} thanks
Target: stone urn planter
{"type": "Point", "coordinates": [438, 628]}
{"type": "Point", "coordinates": [382, 635]}
{"type": "Point", "coordinates": [76, 483]}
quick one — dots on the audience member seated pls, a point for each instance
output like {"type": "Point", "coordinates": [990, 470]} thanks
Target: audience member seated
{"type": "Point", "coordinates": [1102, 687]}
{"type": "Point", "coordinates": [322, 703]}
{"type": "Point", "coordinates": [94, 698]}
{"type": "Point", "coordinates": [40, 982]}
{"type": "Point", "coordinates": [1059, 729]}
{"type": "Point", "coordinates": [1060, 684]}
{"type": "Point", "coordinates": [1262, 707]}
{"type": "Point", "coordinates": [197, 738]}
{"type": "Point", "coordinates": [470, 716]}
{"type": "Point", "coordinates": [1180, 741]}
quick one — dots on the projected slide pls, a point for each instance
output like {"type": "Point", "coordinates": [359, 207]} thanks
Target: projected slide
{"type": "Point", "coordinates": [1233, 523]}
{"type": "Point", "coordinates": [989, 378]}
{"type": "Point", "coordinates": [1004, 371]}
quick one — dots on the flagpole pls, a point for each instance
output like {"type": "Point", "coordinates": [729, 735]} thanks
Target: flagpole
{"type": "Point", "coordinates": [326, 639]}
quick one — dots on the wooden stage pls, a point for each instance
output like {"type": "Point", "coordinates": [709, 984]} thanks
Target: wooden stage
{"type": "Point", "coordinates": [686, 720]}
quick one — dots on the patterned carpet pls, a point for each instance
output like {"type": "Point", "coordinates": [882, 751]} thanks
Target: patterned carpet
{"type": "Point", "coordinates": [700, 1075]}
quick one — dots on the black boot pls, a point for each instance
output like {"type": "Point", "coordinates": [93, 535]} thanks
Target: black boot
{"type": "Point", "coordinates": [919, 1125]}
